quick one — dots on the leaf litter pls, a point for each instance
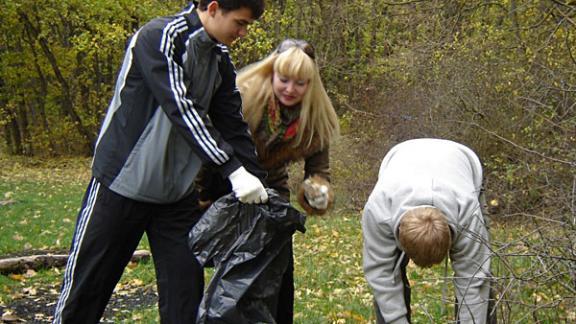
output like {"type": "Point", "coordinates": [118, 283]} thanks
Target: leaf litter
{"type": "Point", "coordinates": [35, 304]}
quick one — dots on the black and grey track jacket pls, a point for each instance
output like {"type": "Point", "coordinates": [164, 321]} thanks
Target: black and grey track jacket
{"type": "Point", "coordinates": [175, 107]}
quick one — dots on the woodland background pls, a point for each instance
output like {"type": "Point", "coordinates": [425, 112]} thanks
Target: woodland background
{"type": "Point", "coordinates": [498, 76]}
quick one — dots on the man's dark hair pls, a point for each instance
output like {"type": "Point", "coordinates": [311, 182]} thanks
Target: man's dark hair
{"type": "Point", "coordinates": [256, 6]}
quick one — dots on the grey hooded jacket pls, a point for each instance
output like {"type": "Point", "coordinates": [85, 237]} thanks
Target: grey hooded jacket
{"type": "Point", "coordinates": [434, 173]}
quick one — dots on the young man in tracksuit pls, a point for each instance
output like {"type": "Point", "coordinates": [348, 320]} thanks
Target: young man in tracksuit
{"type": "Point", "coordinates": [175, 107]}
{"type": "Point", "coordinates": [426, 206]}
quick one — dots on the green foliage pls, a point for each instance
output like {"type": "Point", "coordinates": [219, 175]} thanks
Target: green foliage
{"type": "Point", "coordinates": [60, 60]}
{"type": "Point", "coordinates": [257, 44]}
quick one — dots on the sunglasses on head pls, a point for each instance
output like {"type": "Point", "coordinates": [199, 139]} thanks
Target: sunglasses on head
{"type": "Point", "coordinates": [301, 44]}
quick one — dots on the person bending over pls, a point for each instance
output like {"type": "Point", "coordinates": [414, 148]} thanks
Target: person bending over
{"type": "Point", "coordinates": [425, 206]}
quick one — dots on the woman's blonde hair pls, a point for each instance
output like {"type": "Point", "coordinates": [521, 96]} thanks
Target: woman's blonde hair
{"type": "Point", "coordinates": [317, 115]}
{"type": "Point", "coordinates": [425, 236]}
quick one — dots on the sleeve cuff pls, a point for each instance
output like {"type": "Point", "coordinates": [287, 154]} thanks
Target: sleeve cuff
{"type": "Point", "coordinates": [401, 320]}
{"type": "Point", "coordinates": [227, 168]}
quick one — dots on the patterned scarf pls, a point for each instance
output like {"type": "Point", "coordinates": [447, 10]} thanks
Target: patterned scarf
{"type": "Point", "coordinates": [280, 122]}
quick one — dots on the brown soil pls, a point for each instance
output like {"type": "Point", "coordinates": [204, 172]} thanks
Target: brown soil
{"type": "Point", "coordinates": [39, 307]}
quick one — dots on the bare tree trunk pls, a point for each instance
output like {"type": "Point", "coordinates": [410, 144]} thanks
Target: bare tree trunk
{"type": "Point", "coordinates": [24, 121]}
{"type": "Point", "coordinates": [41, 97]}
{"type": "Point", "coordinates": [67, 105]}
{"type": "Point", "coordinates": [13, 138]}
{"type": "Point", "coordinates": [5, 127]}
{"type": "Point", "coordinates": [8, 139]}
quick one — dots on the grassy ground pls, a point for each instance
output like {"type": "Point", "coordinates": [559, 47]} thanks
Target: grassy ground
{"type": "Point", "coordinates": [40, 199]}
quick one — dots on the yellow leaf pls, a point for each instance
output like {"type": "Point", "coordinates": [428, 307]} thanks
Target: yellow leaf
{"type": "Point", "coordinates": [30, 291]}
{"type": "Point", "coordinates": [137, 282]}
{"type": "Point", "coordinates": [17, 277]}
{"type": "Point", "coordinates": [10, 317]}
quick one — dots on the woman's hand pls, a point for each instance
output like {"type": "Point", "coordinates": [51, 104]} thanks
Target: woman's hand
{"type": "Point", "coordinates": [316, 194]}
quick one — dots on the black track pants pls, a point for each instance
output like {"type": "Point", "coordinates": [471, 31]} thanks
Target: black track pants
{"type": "Point", "coordinates": [108, 230]}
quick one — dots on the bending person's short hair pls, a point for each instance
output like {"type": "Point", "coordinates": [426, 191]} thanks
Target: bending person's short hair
{"type": "Point", "coordinates": [425, 236]}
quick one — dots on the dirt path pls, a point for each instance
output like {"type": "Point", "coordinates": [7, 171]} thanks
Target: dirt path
{"type": "Point", "coordinates": [38, 306]}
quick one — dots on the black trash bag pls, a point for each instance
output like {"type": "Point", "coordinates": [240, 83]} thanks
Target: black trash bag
{"type": "Point", "coordinates": [248, 245]}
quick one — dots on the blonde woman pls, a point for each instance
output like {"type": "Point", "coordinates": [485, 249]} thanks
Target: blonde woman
{"type": "Point", "coordinates": [291, 119]}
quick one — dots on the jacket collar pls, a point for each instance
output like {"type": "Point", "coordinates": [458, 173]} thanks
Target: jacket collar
{"type": "Point", "coordinates": [202, 38]}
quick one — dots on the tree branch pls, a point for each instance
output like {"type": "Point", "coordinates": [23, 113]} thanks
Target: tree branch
{"type": "Point", "coordinates": [402, 2]}
{"type": "Point", "coordinates": [570, 163]}
{"type": "Point", "coordinates": [21, 264]}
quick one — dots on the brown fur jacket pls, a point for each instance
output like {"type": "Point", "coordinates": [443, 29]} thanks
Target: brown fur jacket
{"type": "Point", "coordinates": [276, 157]}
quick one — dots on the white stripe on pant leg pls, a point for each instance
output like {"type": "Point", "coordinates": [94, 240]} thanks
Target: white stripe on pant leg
{"type": "Point", "coordinates": [85, 215]}
{"type": "Point", "coordinates": [81, 224]}
{"type": "Point", "coordinates": [72, 258]}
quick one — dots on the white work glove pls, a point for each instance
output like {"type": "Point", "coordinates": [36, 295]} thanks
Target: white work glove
{"type": "Point", "coordinates": [316, 194]}
{"type": "Point", "coordinates": [247, 188]}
